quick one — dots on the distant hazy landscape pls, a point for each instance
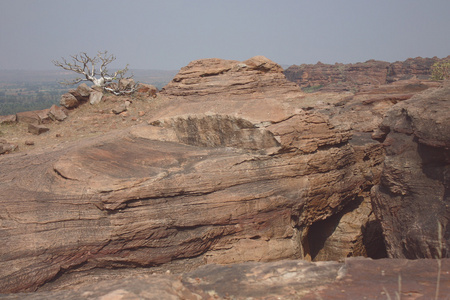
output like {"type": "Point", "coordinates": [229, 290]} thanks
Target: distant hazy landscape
{"type": "Point", "coordinates": [25, 90]}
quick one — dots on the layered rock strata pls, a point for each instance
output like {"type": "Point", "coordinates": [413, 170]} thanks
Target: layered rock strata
{"type": "Point", "coordinates": [413, 198]}
{"type": "Point", "coordinates": [239, 173]}
{"type": "Point", "coordinates": [342, 77]}
{"type": "Point", "coordinates": [289, 279]}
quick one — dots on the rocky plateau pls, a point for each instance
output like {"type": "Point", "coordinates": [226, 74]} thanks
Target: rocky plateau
{"type": "Point", "coordinates": [231, 183]}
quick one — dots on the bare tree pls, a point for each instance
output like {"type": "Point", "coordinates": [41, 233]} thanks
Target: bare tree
{"type": "Point", "coordinates": [95, 69]}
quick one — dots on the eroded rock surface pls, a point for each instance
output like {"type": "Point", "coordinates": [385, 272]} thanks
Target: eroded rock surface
{"type": "Point", "coordinates": [289, 279]}
{"type": "Point", "coordinates": [414, 193]}
{"type": "Point", "coordinates": [345, 77]}
{"type": "Point", "coordinates": [230, 169]}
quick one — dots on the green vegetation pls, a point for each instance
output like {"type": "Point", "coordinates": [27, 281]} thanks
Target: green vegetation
{"type": "Point", "coordinates": [26, 90]}
{"type": "Point", "coordinates": [20, 96]}
{"type": "Point", "coordinates": [440, 70]}
{"type": "Point", "coordinates": [312, 89]}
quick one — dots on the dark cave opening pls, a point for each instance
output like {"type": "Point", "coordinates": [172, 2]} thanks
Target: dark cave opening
{"type": "Point", "coordinates": [369, 244]}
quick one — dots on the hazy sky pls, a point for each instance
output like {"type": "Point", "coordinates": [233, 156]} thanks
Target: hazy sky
{"type": "Point", "coordinates": [168, 34]}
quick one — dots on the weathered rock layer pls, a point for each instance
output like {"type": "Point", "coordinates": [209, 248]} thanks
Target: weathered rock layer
{"type": "Point", "coordinates": [341, 77]}
{"type": "Point", "coordinates": [413, 198]}
{"type": "Point", "coordinates": [229, 169]}
{"type": "Point", "coordinates": [356, 278]}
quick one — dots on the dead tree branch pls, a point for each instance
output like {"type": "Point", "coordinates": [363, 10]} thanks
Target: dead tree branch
{"type": "Point", "coordinates": [85, 65]}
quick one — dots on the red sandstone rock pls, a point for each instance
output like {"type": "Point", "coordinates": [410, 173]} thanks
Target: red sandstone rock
{"type": "Point", "coordinates": [289, 279]}
{"type": "Point", "coordinates": [147, 89]}
{"type": "Point", "coordinates": [253, 78]}
{"type": "Point", "coordinates": [6, 147]}
{"type": "Point", "coordinates": [56, 113]}
{"type": "Point", "coordinates": [232, 171]}
{"type": "Point", "coordinates": [345, 77]}
{"type": "Point", "coordinates": [413, 195]}
{"type": "Point", "coordinates": [37, 129]}
{"type": "Point", "coordinates": [69, 101]}
{"type": "Point", "coordinates": [44, 117]}
{"type": "Point", "coordinates": [9, 119]}
{"type": "Point", "coordinates": [29, 117]}
{"type": "Point", "coordinates": [84, 91]}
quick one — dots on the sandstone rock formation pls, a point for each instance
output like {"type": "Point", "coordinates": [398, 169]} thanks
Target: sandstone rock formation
{"type": "Point", "coordinates": [95, 97]}
{"type": "Point", "coordinates": [345, 77]}
{"type": "Point", "coordinates": [44, 116]}
{"type": "Point", "coordinates": [29, 117]}
{"type": "Point", "coordinates": [78, 96]}
{"type": "Point", "coordinates": [6, 147]}
{"type": "Point", "coordinates": [229, 169]}
{"type": "Point", "coordinates": [289, 279]}
{"type": "Point", "coordinates": [364, 111]}
{"type": "Point", "coordinates": [414, 192]}
{"type": "Point", "coordinates": [9, 119]}
{"type": "Point", "coordinates": [37, 129]}
{"type": "Point", "coordinates": [147, 90]}
{"type": "Point", "coordinates": [69, 101]}
{"type": "Point", "coordinates": [56, 113]}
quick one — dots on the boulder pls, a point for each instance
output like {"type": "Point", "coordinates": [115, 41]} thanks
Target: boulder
{"type": "Point", "coordinates": [84, 91]}
{"type": "Point", "coordinates": [147, 90]}
{"type": "Point", "coordinates": [29, 117]}
{"type": "Point", "coordinates": [95, 97]}
{"type": "Point", "coordinates": [126, 84]}
{"type": "Point", "coordinates": [44, 117]}
{"type": "Point", "coordinates": [9, 119]}
{"type": "Point", "coordinates": [413, 196]}
{"type": "Point", "coordinates": [120, 109]}
{"type": "Point", "coordinates": [56, 113]}
{"type": "Point", "coordinates": [37, 129]}
{"type": "Point", "coordinates": [69, 101]}
{"type": "Point", "coordinates": [6, 147]}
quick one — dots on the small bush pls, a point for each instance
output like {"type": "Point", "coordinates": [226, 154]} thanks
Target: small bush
{"type": "Point", "coordinates": [440, 70]}
{"type": "Point", "coordinates": [312, 89]}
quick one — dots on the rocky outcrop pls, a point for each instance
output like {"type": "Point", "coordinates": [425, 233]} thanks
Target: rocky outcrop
{"type": "Point", "coordinates": [342, 76]}
{"type": "Point", "coordinates": [289, 279]}
{"type": "Point", "coordinates": [69, 101]}
{"type": "Point", "coordinates": [209, 77]}
{"type": "Point", "coordinates": [418, 67]}
{"type": "Point", "coordinates": [76, 97]}
{"type": "Point", "coordinates": [229, 169]}
{"type": "Point", "coordinates": [348, 77]}
{"type": "Point", "coordinates": [364, 111]}
{"type": "Point", "coordinates": [37, 129]}
{"type": "Point", "coordinates": [146, 90]}
{"type": "Point", "coordinates": [414, 193]}
{"type": "Point", "coordinates": [6, 147]}
{"type": "Point", "coordinates": [56, 113]}
{"type": "Point", "coordinates": [9, 119]}
{"type": "Point", "coordinates": [45, 116]}
{"type": "Point", "coordinates": [29, 117]}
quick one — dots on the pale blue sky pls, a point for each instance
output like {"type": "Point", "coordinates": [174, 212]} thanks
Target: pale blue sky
{"type": "Point", "coordinates": [168, 34]}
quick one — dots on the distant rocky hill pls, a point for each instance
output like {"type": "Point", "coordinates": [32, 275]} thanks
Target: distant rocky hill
{"type": "Point", "coordinates": [342, 77]}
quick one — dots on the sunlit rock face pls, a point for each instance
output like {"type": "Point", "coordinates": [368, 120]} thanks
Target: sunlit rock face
{"type": "Point", "coordinates": [229, 169]}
